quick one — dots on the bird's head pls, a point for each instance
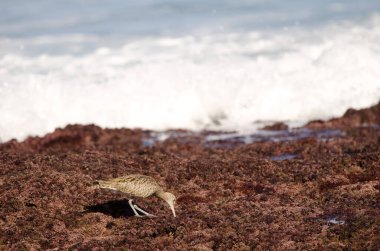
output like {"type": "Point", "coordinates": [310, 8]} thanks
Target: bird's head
{"type": "Point", "coordinates": [170, 199]}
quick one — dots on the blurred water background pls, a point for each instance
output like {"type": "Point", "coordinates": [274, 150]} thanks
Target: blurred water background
{"type": "Point", "coordinates": [220, 65]}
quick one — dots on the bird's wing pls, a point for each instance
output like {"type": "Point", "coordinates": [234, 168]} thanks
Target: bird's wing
{"type": "Point", "coordinates": [136, 179]}
{"type": "Point", "coordinates": [137, 185]}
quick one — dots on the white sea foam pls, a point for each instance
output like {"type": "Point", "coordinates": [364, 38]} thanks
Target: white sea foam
{"type": "Point", "coordinates": [222, 81]}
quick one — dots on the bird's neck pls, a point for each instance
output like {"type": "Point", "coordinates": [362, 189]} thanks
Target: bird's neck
{"type": "Point", "coordinates": [163, 195]}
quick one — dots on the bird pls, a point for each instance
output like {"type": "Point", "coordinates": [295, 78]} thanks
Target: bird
{"type": "Point", "coordinates": [137, 185]}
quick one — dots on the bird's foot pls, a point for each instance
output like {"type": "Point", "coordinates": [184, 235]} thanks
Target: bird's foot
{"type": "Point", "coordinates": [144, 212]}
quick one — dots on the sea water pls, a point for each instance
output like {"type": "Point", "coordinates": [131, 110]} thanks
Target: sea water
{"type": "Point", "coordinates": [166, 64]}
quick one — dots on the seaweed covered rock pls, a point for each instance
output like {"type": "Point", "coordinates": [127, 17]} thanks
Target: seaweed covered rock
{"type": "Point", "coordinates": [230, 197]}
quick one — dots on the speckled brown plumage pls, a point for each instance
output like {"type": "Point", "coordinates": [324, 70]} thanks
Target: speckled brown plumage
{"type": "Point", "coordinates": [140, 186]}
{"type": "Point", "coordinates": [135, 184]}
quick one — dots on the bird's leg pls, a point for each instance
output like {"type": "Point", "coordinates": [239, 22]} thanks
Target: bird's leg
{"type": "Point", "coordinates": [146, 213]}
{"type": "Point", "coordinates": [133, 208]}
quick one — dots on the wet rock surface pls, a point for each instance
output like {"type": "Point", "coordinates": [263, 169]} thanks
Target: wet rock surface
{"type": "Point", "coordinates": [308, 193]}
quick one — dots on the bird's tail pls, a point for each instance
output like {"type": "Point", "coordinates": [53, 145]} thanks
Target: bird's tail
{"type": "Point", "coordinates": [97, 184]}
{"type": "Point", "coordinates": [101, 184]}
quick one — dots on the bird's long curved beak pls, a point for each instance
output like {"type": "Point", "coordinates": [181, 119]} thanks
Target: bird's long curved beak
{"type": "Point", "coordinates": [172, 208]}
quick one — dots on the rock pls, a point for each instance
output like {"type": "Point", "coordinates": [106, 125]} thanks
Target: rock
{"type": "Point", "coordinates": [229, 198]}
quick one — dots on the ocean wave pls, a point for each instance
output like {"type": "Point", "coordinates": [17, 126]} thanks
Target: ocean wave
{"type": "Point", "coordinates": [225, 81]}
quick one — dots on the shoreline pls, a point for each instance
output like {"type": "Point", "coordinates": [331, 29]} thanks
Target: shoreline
{"type": "Point", "coordinates": [312, 192]}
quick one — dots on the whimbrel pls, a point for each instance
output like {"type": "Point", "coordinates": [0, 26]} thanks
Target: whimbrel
{"type": "Point", "coordinates": [139, 186]}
